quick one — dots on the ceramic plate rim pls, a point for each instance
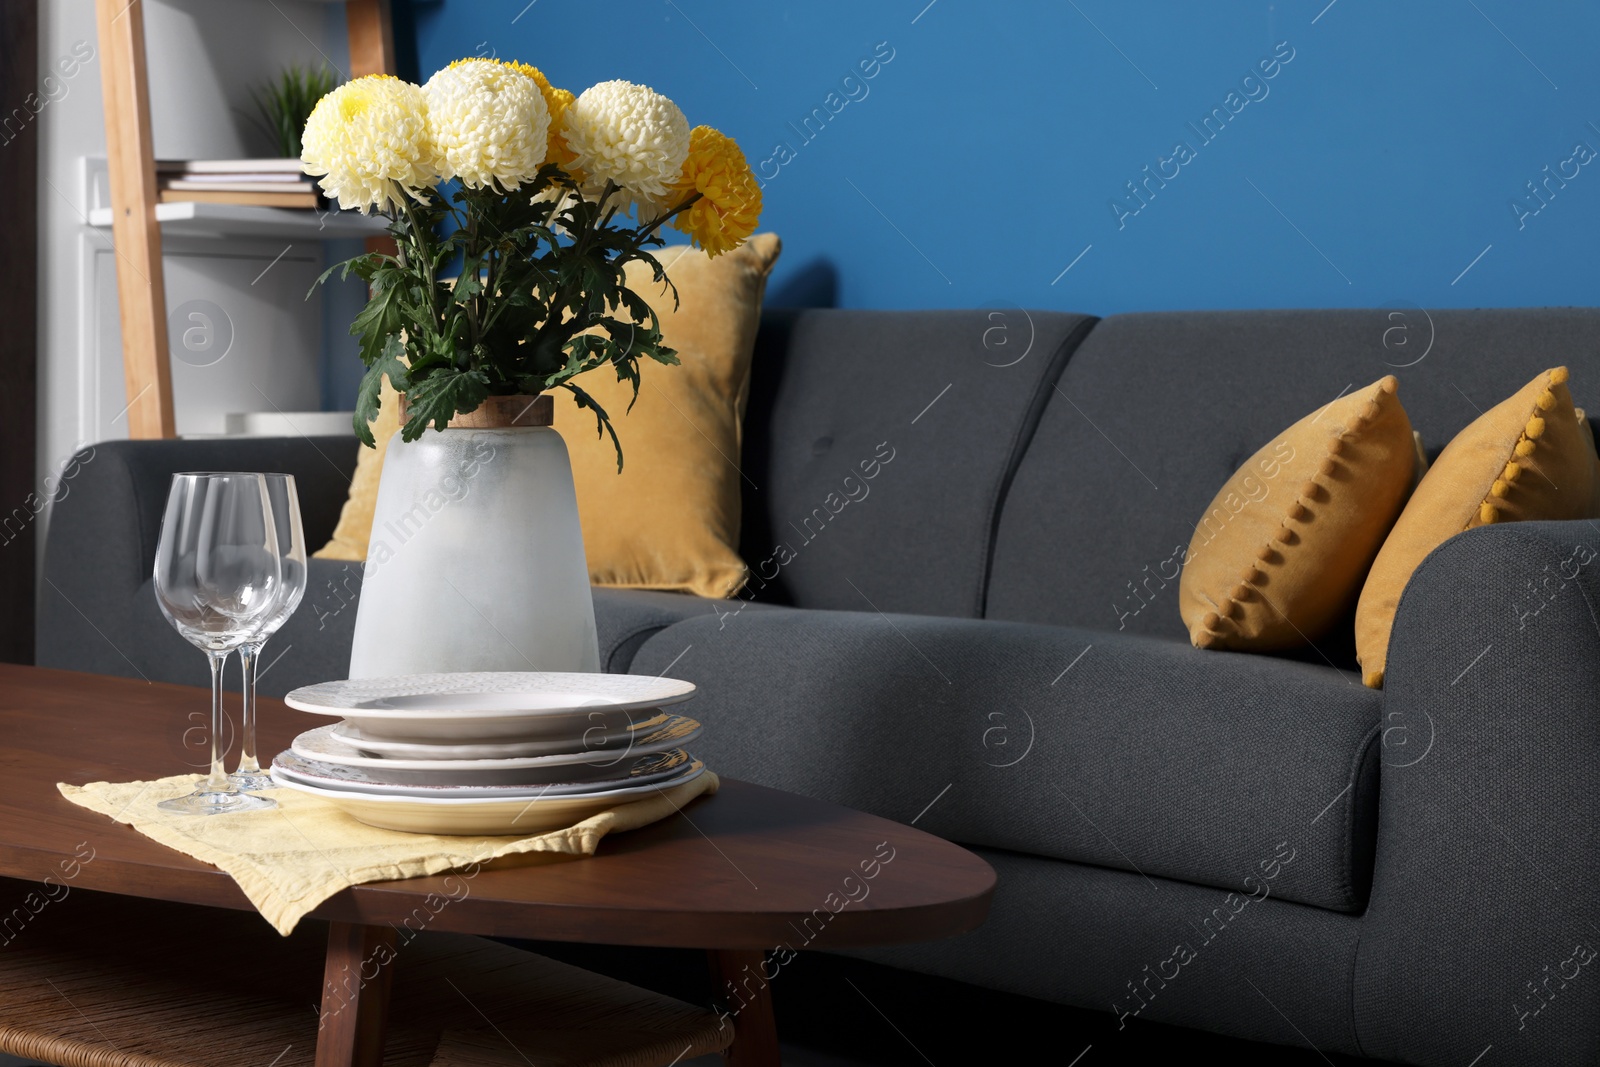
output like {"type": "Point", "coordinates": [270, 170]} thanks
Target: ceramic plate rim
{"type": "Point", "coordinates": [512, 763]}
{"type": "Point", "coordinates": [568, 789]}
{"type": "Point", "coordinates": [695, 770]}
{"type": "Point", "coordinates": [376, 744]}
{"type": "Point", "coordinates": [675, 691]}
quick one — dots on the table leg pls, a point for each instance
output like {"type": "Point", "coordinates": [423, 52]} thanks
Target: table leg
{"type": "Point", "coordinates": [355, 995]}
{"type": "Point", "coordinates": [739, 980]}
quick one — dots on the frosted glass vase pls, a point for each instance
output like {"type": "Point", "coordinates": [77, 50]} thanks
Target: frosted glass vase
{"type": "Point", "coordinates": [476, 559]}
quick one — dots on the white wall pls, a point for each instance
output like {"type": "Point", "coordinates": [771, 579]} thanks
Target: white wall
{"type": "Point", "coordinates": [205, 57]}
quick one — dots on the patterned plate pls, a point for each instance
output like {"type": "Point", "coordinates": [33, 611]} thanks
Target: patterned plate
{"type": "Point", "coordinates": [599, 761]}
{"type": "Point", "coordinates": [661, 767]}
{"type": "Point", "coordinates": [601, 730]}
{"type": "Point", "coordinates": [531, 813]}
{"type": "Point", "coordinates": [483, 706]}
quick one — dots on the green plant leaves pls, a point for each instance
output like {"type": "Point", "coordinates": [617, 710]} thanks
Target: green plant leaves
{"type": "Point", "coordinates": [286, 102]}
{"type": "Point", "coordinates": [541, 298]}
{"type": "Point", "coordinates": [436, 399]}
{"type": "Point", "coordinates": [390, 363]}
{"type": "Point", "coordinates": [379, 321]}
{"type": "Point", "coordinates": [602, 420]}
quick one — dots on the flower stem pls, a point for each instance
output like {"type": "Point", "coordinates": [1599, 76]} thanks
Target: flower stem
{"type": "Point", "coordinates": [555, 320]}
{"type": "Point", "coordinates": [472, 250]}
{"type": "Point", "coordinates": [427, 267]}
{"type": "Point", "coordinates": [655, 224]}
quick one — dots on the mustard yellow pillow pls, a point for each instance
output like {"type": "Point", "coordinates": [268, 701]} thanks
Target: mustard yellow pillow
{"type": "Point", "coordinates": [1529, 457]}
{"type": "Point", "coordinates": [350, 534]}
{"type": "Point", "coordinates": [670, 520]}
{"type": "Point", "coordinates": [1279, 556]}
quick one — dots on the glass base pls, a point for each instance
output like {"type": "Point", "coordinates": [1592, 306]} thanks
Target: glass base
{"type": "Point", "coordinates": [252, 781]}
{"type": "Point", "coordinates": [203, 803]}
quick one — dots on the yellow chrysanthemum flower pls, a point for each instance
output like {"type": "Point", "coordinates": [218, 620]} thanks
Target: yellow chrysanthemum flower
{"type": "Point", "coordinates": [371, 141]}
{"type": "Point", "coordinates": [490, 122]}
{"type": "Point", "coordinates": [730, 200]}
{"type": "Point", "coordinates": [556, 101]}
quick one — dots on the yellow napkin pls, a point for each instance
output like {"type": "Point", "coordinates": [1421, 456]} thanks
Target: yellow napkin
{"type": "Point", "coordinates": [291, 858]}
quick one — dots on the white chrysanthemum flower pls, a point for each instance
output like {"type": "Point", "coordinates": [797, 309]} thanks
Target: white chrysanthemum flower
{"type": "Point", "coordinates": [632, 136]}
{"type": "Point", "coordinates": [489, 121]}
{"type": "Point", "coordinates": [370, 140]}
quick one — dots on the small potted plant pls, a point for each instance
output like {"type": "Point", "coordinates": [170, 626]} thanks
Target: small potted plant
{"type": "Point", "coordinates": [514, 207]}
{"type": "Point", "coordinates": [287, 101]}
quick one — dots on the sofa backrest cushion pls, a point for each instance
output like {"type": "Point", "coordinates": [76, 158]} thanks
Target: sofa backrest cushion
{"type": "Point", "coordinates": [878, 446]}
{"type": "Point", "coordinates": [1156, 411]}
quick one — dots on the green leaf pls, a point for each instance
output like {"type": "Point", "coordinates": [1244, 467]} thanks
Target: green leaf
{"type": "Point", "coordinates": [636, 306]}
{"type": "Point", "coordinates": [378, 321]}
{"type": "Point", "coordinates": [325, 275]}
{"type": "Point", "coordinates": [369, 394]}
{"type": "Point", "coordinates": [439, 397]}
{"type": "Point", "coordinates": [602, 420]}
{"type": "Point", "coordinates": [362, 266]}
{"type": "Point", "coordinates": [470, 282]}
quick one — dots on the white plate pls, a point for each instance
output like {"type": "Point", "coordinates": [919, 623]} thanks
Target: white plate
{"type": "Point", "coordinates": [673, 731]}
{"type": "Point", "coordinates": [484, 706]}
{"type": "Point", "coordinates": [435, 815]}
{"type": "Point", "coordinates": [660, 767]}
{"type": "Point", "coordinates": [603, 730]}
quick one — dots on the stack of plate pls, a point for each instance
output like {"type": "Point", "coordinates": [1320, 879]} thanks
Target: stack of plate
{"type": "Point", "coordinates": [499, 753]}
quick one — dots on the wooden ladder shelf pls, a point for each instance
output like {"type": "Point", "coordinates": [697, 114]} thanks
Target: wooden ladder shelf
{"type": "Point", "coordinates": [136, 235]}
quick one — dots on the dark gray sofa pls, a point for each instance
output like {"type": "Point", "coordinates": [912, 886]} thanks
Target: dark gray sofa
{"type": "Point", "coordinates": [983, 638]}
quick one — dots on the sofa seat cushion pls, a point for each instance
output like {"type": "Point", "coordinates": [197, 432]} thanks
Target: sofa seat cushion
{"type": "Point", "coordinates": [1248, 773]}
{"type": "Point", "coordinates": [626, 618]}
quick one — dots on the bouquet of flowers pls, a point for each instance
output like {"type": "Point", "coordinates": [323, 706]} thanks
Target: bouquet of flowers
{"type": "Point", "coordinates": [549, 195]}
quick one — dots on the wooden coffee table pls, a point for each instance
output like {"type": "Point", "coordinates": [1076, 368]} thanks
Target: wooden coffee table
{"type": "Point", "coordinates": [737, 874]}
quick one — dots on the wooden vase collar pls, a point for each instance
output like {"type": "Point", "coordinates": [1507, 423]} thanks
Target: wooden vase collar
{"type": "Point", "coordinates": [501, 413]}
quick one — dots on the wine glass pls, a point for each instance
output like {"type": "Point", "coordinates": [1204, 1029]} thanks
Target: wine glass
{"type": "Point", "coordinates": [217, 575]}
{"type": "Point", "coordinates": [285, 507]}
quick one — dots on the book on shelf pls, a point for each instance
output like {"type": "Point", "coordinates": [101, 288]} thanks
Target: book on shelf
{"type": "Point", "coordinates": [240, 178]}
{"type": "Point", "coordinates": [258, 182]}
{"type": "Point", "coordinates": [287, 199]}
{"type": "Point", "coordinates": [207, 186]}
{"type": "Point", "coordinates": [274, 166]}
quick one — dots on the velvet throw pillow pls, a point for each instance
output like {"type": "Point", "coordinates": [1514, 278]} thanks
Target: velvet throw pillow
{"type": "Point", "coordinates": [670, 520]}
{"type": "Point", "coordinates": [1279, 556]}
{"type": "Point", "coordinates": [1530, 457]}
{"type": "Point", "coordinates": [354, 528]}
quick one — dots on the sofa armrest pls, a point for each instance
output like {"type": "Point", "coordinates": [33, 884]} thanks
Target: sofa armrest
{"type": "Point", "coordinates": [106, 520]}
{"type": "Point", "coordinates": [1483, 924]}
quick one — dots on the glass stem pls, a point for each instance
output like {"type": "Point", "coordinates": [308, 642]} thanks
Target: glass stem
{"type": "Point", "coordinates": [217, 780]}
{"type": "Point", "coordinates": [248, 657]}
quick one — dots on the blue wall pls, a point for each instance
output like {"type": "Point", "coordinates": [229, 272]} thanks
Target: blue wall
{"type": "Point", "coordinates": [1377, 163]}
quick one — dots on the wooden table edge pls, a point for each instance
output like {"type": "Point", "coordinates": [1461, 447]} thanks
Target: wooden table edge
{"type": "Point", "coordinates": [364, 921]}
{"type": "Point", "coordinates": [395, 903]}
